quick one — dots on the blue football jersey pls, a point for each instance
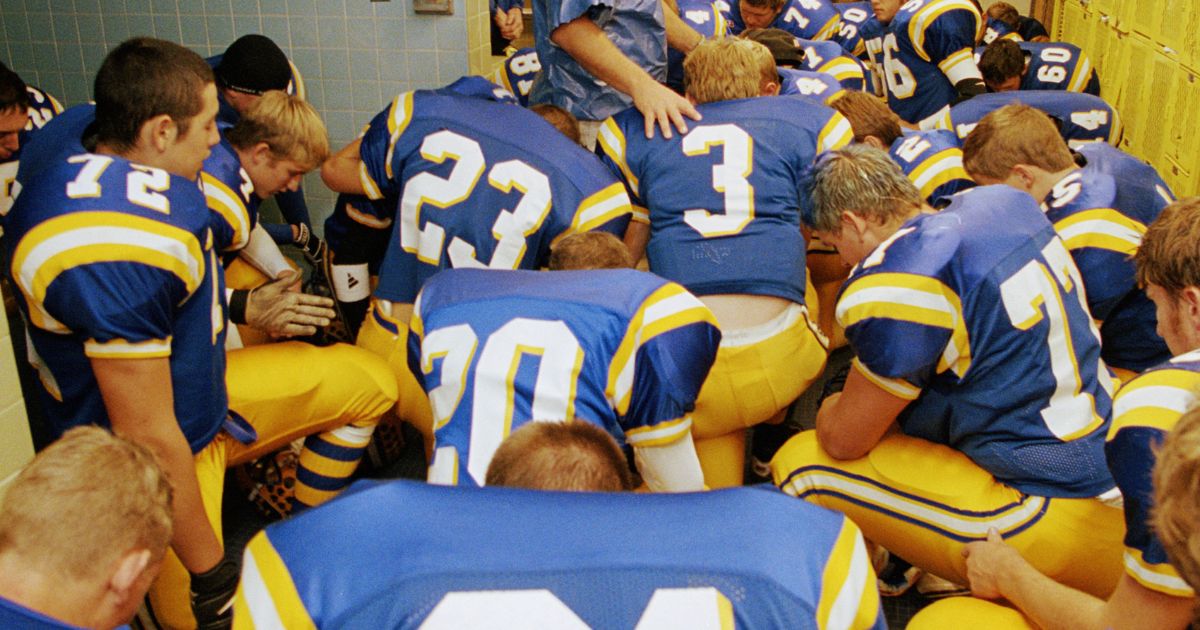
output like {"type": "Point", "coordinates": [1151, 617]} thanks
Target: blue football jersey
{"type": "Point", "coordinates": [480, 184]}
{"type": "Point", "coordinates": [1101, 212]}
{"type": "Point", "coordinates": [818, 87]}
{"type": "Point", "coordinates": [1082, 117]}
{"type": "Point", "coordinates": [230, 195]}
{"type": "Point", "coordinates": [404, 555]}
{"type": "Point", "coordinates": [831, 58]}
{"type": "Point", "coordinates": [995, 29]}
{"type": "Point", "coordinates": [704, 17]}
{"type": "Point", "coordinates": [854, 15]}
{"type": "Point", "coordinates": [976, 314]}
{"type": "Point", "coordinates": [635, 27]}
{"type": "Point", "coordinates": [1144, 411]}
{"type": "Point", "coordinates": [42, 109]}
{"type": "Point", "coordinates": [1056, 66]}
{"type": "Point", "coordinates": [806, 19]}
{"type": "Point", "coordinates": [517, 72]}
{"type": "Point", "coordinates": [933, 161]}
{"type": "Point", "coordinates": [116, 260]}
{"type": "Point", "coordinates": [360, 226]}
{"type": "Point", "coordinates": [922, 53]}
{"type": "Point", "coordinates": [623, 349]}
{"type": "Point", "coordinates": [723, 199]}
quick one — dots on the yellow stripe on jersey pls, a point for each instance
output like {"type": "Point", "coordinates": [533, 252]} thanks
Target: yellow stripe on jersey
{"type": "Point", "coordinates": [367, 220]}
{"type": "Point", "coordinates": [659, 434]}
{"type": "Point", "coordinates": [1161, 578]}
{"type": "Point", "coordinates": [1117, 129]}
{"type": "Point", "coordinates": [229, 206]}
{"type": "Point", "coordinates": [910, 298]}
{"type": "Point", "coordinates": [668, 308]}
{"type": "Point", "coordinates": [1082, 74]}
{"type": "Point", "coordinates": [849, 596]}
{"type": "Point", "coordinates": [82, 238]}
{"type": "Point", "coordinates": [399, 116]}
{"type": "Point", "coordinates": [830, 28]}
{"type": "Point", "coordinates": [836, 133]}
{"type": "Point", "coordinates": [842, 69]}
{"type": "Point", "coordinates": [920, 23]}
{"type": "Point", "coordinates": [640, 214]}
{"type": "Point", "coordinates": [600, 208]}
{"type": "Point", "coordinates": [612, 142]}
{"type": "Point", "coordinates": [937, 170]}
{"type": "Point", "coordinates": [720, 24]}
{"type": "Point", "coordinates": [1155, 399]}
{"type": "Point", "coordinates": [298, 88]}
{"type": "Point", "coordinates": [959, 66]}
{"type": "Point", "coordinates": [936, 515]}
{"type": "Point", "coordinates": [1103, 228]}
{"type": "Point", "coordinates": [897, 387]}
{"type": "Point", "coordinates": [267, 596]}
{"type": "Point", "coordinates": [415, 324]}
{"type": "Point", "coordinates": [122, 349]}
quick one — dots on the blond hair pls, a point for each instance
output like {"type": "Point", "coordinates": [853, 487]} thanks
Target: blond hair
{"type": "Point", "coordinates": [576, 456]}
{"type": "Point", "coordinates": [1014, 134]}
{"type": "Point", "coordinates": [727, 69]}
{"type": "Point", "coordinates": [289, 126]}
{"type": "Point", "coordinates": [869, 116]}
{"type": "Point", "coordinates": [1176, 513]}
{"type": "Point", "coordinates": [83, 502]}
{"type": "Point", "coordinates": [590, 250]}
{"type": "Point", "coordinates": [1169, 255]}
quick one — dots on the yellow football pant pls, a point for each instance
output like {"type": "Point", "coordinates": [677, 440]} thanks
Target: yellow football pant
{"type": "Point", "coordinates": [969, 612]}
{"type": "Point", "coordinates": [387, 337]}
{"type": "Point", "coordinates": [756, 375]}
{"type": "Point", "coordinates": [925, 501]}
{"type": "Point", "coordinates": [286, 391]}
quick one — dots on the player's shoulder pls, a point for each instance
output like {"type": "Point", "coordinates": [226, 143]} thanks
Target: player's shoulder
{"type": "Point", "coordinates": [915, 145]}
{"type": "Point", "coordinates": [223, 163]}
{"type": "Point", "coordinates": [1159, 395]}
{"type": "Point", "coordinates": [1081, 190]}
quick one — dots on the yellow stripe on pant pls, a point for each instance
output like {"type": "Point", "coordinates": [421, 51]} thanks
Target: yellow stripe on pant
{"type": "Point", "coordinates": [925, 501]}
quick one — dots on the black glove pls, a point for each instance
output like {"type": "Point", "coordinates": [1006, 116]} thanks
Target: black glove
{"type": "Point", "coordinates": [966, 89]}
{"type": "Point", "coordinates": [835, 383]}
{"type": "Point", "coordinates": [212, 596]}
{"type": "Point", "coordinates": [311, 244]}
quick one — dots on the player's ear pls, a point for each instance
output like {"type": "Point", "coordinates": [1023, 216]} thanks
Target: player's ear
{"type": "Point", "coordinates": [1024, 176]}
{"type": "Point", "coordinates": [123, 583]}
{"type": "Point", "coordinates": [1189, 297]}
{"type": "Point", "coordinates": [159, 132]}
{"type": "Point", "coordinates": [854, 223]}
{"type": "Point", "coordinates": [261, 153]}
{"type": "Point", "coordinates": [770, 88]}
{"type": "Point", "coordinates": [874, 141]}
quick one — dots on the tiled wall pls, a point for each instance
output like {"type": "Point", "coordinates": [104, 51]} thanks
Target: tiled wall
{"type": "Point", "coordinates": [16, 445]}
{"type": "Point", "coordinates": [354, 54]}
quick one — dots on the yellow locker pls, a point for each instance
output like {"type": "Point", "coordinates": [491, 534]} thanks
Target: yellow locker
{"type": "Point", "coordinates": [1069, 18]}
{"type": "Point", "coordinates": [1143, 18]}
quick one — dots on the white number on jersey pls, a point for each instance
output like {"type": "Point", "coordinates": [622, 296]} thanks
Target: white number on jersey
{"type": "Point", "coordinates": [560, 357]}
{"type": "Point", "coordinates": [794, 16]}
{"type": "Point", "coordinates": [1034, 293]}
{"type": "Point", "coordinates": [900, 81]}
{"type": "Point", "coordinates": [809, 86]}
{"type": "Point", "coordinates": [728, 178]}
{"type": "Point", "coordinates": [912, 148]}
{"type": "Point", "coordinates": [698, 16]}
{"type": "Point", "coordinates": [511, 226]}
{"type": "Point", "coordinates": [1091, 119]}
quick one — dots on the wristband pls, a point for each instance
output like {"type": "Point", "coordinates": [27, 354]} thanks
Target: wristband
{"type": "Point", "coordinates": [237, 305]}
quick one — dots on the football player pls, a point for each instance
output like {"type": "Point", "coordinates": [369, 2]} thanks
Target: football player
{"type": "Point", "coordinates": [704, 17]}
{"type": "Point", "coordinates": [128, 317]}
{"type": "Point", "coordinates": [1100, 210]}
{"type": "Point", "coordinates": [470, 557]}
{"type": "Point", "coordinates": [570, 456]}
{"type": "Point", "coordinates": [517, 72]}
{"type": "Point", "coordinates": [813, 56]}
{"type": "Point", "coordinates": [23, 110]}
{"type": "Point", "coordinates": [1081, 118]}
{"type": "Point", "coordinates": [735, 243]}
{"type": "Point", "coordinates": [854, 15]}
{"type": "Point", "coordinates": [921, 53]}
{"type": "Point", "coordinates": [1008, 66]}
{"type": "Point", "coordinates": [1004, 19]}
{"type": "Point", "coordinates": [977, 399]}
{"type": "Point", "coordinates": [805, 19]}
{"type": "Point", "coordinates": [430, 149]}
{"type": "Point", "coordinates": [1151, 593]}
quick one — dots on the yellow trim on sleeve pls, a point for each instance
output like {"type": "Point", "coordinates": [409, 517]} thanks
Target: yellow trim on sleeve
{"type": "Point", "coordinates": [227, 203]}
{"type": "Point", "coordinates": [659, 434]}
{"type": "Point", "coordinates": [897, 387]}
{"type": "Point", "coordinates": [612, 142]}
{"type": "Point", "coordinates": [1154, 399]}
{"type": "Point", "coordinates": [267, 593]}
{"type": "Point", "coordinates": [849, 596]}
{"type": "Point", "coordinates": [927, 15]}
{"type": "Point", "coordinates": [940, 168]}
{"type": "Point", "coordinates": [1160, 578]}
{"type": "Point", "coordinates": [122, 349]}
{"type": "Point", "coordinates": [1103, 228]}
{"type": "Point", "coordinates": [836, 133]}
{"type": "Point", "coordinates": [601, 207]}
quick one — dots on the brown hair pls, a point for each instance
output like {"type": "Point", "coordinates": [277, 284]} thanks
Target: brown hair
{"type": "Point", "coordinates": [727, 69]}
{"type": "Point", "coordinates": [1177, 497]}
{"type": "Point", "coordinates": [142, 78]}
{"type": "Point", "coordinates": [1000, 61]}
{"type": "Point", "coordinates": [562, 119]}
{"type": "Point", "coordinates": [590, 250]}
{"type": "Point", "coordinates": [869, 116]}
{"type": "Point", "coordinates": [1006, 13]}
{"type": "Point", "coordinates": [83, 502]}
{"type": "Point", "coordinates": [1014, 134]}
{"type": "Point", "coordinates": [1169, 255]}
{"type": "Point", "coordinates": [288, 125]}
{"type": "Point", "coordinates": [576, 455]}
{"type": "Point", "coordinates": [13, 94]}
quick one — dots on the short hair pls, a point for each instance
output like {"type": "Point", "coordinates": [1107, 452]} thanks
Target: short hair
{"type": "Point", "coordinates": [590, 250]}
{"type": "Point", "coordinates": [83, 502]}
{"type": "Point", "coordinates": [857, 178]}
{"type": "Point", "coordinates": [562, 119]}
{"type": "Point", "coordinates": [1004, 12]}
{"type": "Point", "coordinates": [1014, 134]}
{"type": "Point", "coordinates": [1177, 496]}
{"type": "Point", "coordinates": [869, 116]}
{"type": "Point", "coordinates": [142, 78]}
{"type": "Point", "coordinates": [726, 69]}
{"type": "Point", "coordinates": [782, 45]}
{"type": "Point", "coordinates": [576, 455]}
{"type": "Point", "coordinates": [13, 92]}
{"type": "Point", "coordinates": [1169, 255]}
{"type": "Point", "coordinates": [290, 127]}
{"type": "Point", "coordinates": [1001, 60]}
{"type": "Point", "coordinates": [770, 4]}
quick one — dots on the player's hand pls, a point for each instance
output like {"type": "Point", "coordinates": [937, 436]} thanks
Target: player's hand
{"type": "Point", "coordinates": [276, 310]}
{"type": "Point", "coordinates": [516, 24]}
{"type": "Point", "coordinates": [212, 596]}
{"type": "Point", "coordinates": [663, 107]}
{"type": "Point", "coordinates": [988, 564]}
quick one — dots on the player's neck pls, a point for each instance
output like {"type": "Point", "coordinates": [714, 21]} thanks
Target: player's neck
{"type": "Point", "coordinates": [138, 155]}
{"type": "Point", "coordinates": [48, 595]}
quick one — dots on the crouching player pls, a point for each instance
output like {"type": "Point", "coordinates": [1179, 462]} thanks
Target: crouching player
{"type": "Point", "coordinates": [977, 399]}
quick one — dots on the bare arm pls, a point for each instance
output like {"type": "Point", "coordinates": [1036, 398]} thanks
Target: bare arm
{"type": "Point", "coordinates": [588, 45]}
{"type": "Point", "coordinates": [141, 406]}
{"type": "Point", "coordinates": [340, 171]}
{"type": "Point", "coordinates": [997, 570]}
{"type": "Point", "coordinates": [636, 237]}
{"type": "Point", "coordinates": [680, 35]}
{"type": "Point", "coordinates": [850, 423]}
